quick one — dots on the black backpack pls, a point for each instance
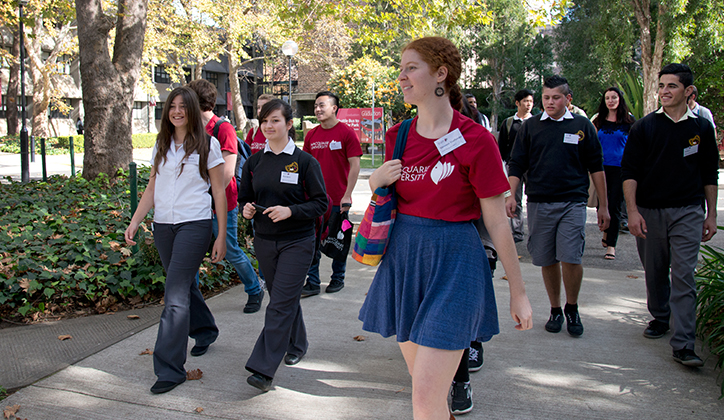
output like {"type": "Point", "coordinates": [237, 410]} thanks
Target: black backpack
{"type": "Point", "coordinates": [243, 151]}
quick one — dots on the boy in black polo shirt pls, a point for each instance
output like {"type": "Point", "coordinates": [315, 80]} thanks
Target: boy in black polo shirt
{"type": "Point", "coordinates": [670, 168]}
{"type": "Point", "coordinates": [558, 150]}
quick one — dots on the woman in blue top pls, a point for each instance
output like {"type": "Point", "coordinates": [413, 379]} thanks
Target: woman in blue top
{"type": "Point", "coordinates": [613, 121]}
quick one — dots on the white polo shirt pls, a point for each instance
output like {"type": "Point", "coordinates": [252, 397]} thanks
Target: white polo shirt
{"type": "Point", "coordinates": [183, 197]}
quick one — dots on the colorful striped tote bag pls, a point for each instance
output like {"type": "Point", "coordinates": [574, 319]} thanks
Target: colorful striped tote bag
{"type": "Point", "coordinates": [374, 232]}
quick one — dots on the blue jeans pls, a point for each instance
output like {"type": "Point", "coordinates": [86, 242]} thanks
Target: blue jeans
{"type": "Point", "coordinates": [338, 266]}
{"type": "Point", "coordinates": [235, 255]}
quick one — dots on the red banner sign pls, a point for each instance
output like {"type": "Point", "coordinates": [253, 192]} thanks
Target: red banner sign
{"type": "Point", "coordinates": [364, 124]}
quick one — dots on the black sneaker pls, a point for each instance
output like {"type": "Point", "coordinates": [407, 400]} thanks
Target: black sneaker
{"type": "Point", "coordinates": [462, 398]}
{"type": "Point", "coordinates": [656, 329]}
{"type": "Point", "coordinates": [573, 323]}
{"type": "Point", "coordinates": [555, 323]}
{"type": "Point", "coordinates": [334, 286]}
{"type": "Point", "coordinates": [687, 357]}
{"type": "Point", "coordinates": [475, 361]}
{"type": "Point", "coordinates": [309, 290]}
{"type": "Point", "coordinates": [253, 304]}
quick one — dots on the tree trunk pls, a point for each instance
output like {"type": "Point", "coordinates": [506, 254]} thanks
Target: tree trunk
{"type": "Point", "coordinates": [108, 83]}
{"type": "Point", "coordinates": [40, 78]}
{"type": "Point", "coordinates": [11, 112]}
{"type": "Point", "coordinates": [650, 60]}
{"type": "Point", "coordinates": [237, 104]}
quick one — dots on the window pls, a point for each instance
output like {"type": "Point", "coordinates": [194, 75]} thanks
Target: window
{"type": "Point", "coordinates": [211, 76]}
{"type": "Point", "coordinates": [56, 113]}
{"type": "Point", "coordinates": [159, 110]}
{"type": "Point", "coordinates": [138, 110]}
{"type": "Point", "coordinates": [160, 75]}
{"type": "Point", "coordinates": [3, 106]}
{"type": "Point", "coordinates": [138, 105]}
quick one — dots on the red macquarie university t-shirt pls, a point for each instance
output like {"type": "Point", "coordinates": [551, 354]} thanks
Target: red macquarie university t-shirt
{"type": "Point", "coordinates": [448, 187]}
{"type": "Point", "coordinates": [333, 148]}
{"type": "Point", "coordinates": [258, 141]}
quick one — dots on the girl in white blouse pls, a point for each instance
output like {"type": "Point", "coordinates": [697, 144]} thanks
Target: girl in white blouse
{"type": "Point", "coordinates": [186, 162]}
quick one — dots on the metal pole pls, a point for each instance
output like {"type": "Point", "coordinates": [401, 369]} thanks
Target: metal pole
{"type": "Point", "coordinates": [42, 159]}
{"type": "Point", "coordinates": [290, 80]}
{"type": "Point", "coordinates": [133, 178]}
{"type": "Point", "coordinates": [24, 164]}
{"type": "Point", "coordinates": [72, 157]}
{"type": "Point", "coordinates": [32, 149]}
{"type": "Point", "coordinates": [373, 123]}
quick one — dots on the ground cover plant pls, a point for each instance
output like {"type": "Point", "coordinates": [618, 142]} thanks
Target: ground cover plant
{"type": "Point", "coordinates": [710, 305]}
{"type": "Point", "coordinates": [62, 250]}
{"type": "Point", "coordinates": [61, 145]}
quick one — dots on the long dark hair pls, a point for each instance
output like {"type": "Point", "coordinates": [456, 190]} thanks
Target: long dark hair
{"type": "Point", "coordinates": [623, 115]}
{"type": "Point", "coordinates": [196, 137]}
{"type": "Point", "coordinates": [286, 109]}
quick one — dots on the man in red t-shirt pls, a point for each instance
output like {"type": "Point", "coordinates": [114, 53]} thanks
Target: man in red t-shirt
{"type": "Point", "coordinates": [255, 138]}
{"type": "Point", "coordinates": [206, 92]}
{"type": "Point", "coordinates": [338, 151]}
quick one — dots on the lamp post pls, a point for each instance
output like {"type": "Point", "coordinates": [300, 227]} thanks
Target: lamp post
{"type": "Point", "coordinates": [24, 163]}
{"type": "Point", "coordinates": [289, 49]}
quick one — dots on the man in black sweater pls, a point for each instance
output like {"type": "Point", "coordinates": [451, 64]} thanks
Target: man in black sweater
{"type": "Point", "coordinates": [670, 168]}
{"type": "Point", "coordinates": [558, 150]}
{"type": "Point", "coordinates": [506, 138]}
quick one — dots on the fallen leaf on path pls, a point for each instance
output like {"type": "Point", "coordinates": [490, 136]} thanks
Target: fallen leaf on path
{"type": "Point", "coordinates": [359, 338]}
{"type": "Point", "coordinates": [631, 276]}
{"type": "Point", "coordinates": [147, 351]}
{"type": "Point", "coordinates": [195, 374]}
{"type": "Point", "coordinates": [399, 390]}
{"type": "Point", "coordinates": [64, 337]}
{"type": "Point", "coordinates": [504, 277]}
{"type": "Point", "coordinates": [10, 410]}
{"type": "Point", "coordinates": [199, 409]}
{"type": "Point", "coordinates": [133, 317]}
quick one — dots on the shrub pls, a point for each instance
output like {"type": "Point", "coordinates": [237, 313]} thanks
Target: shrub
{"type": "Point", "coordinates": [710, 303]}
{"type": "Point", "coordinates": [64, 247]}
{"type": "Point", "coordinates": [61, 145]}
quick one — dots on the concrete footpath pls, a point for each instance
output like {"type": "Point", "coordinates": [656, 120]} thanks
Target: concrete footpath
{"type": "Point", "coordinates": [611, 372]}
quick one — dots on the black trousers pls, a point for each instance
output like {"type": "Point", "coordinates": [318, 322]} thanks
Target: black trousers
{"type": "Point", "coordinates": [614, 192]}
{"type": "Point", "coordinates": [285, 265]}
{"type": "Point", "coordinates": [181, 248]}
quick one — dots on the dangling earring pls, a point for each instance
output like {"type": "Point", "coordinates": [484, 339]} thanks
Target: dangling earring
{"type": "Point", "coordinates": [439, 91]}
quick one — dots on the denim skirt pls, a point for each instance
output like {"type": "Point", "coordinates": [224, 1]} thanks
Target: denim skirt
{"type": "Point", "coordinates": [433, 286]}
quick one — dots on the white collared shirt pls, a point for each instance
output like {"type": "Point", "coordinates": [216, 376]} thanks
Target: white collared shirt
{"type": "Point", "coordinates": [183, 197]}
{"type": "Point", "coordinates": [687, 114]}
{"type": "Point", "coordinates": [566, 116]}
{"type": "Point", "coordinates": [516, 117]}
{"type": "Point", "coordinates": [288, 149]}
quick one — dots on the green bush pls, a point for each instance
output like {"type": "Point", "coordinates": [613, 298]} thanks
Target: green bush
{"type": "Point", "coordinates": [61, 145]}
{"type": "Point", "coordinates": [64, 247]}
{"type": "Point", "coordinates": [144, 140]}
{"type": "Point", "coordinates": [710, 303]}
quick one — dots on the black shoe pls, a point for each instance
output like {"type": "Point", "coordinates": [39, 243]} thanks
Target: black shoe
{"type": "Point", "coordinates": [687, 357]}
{"type": "Point", "coordinates": [623, 227]}
{"type": "Point", "coordinates": [462, 398]}
{"type": "Point", "coordinates": [475, 361]}
{"type": "Point", "coordinates": [334, 286]}
{"type": "Point", "coordinates": [253, 304]}
{"type": "Point", "coordinates": [260, 382]}
{"type": "Point", "coordinates": [656, 329]}
{"type": "Point", "coordinates": [573, 323]}
{"type": "Point", "coordinates": [199, 350]}
{"type": "Point", "coordinates": [555, 323]}
{"type": "Point", "coordinates": [292, 359]}
{"type": "Point", "coordinates": [309, 290]}
{"type": "Point", "coordinates": [164, 386]}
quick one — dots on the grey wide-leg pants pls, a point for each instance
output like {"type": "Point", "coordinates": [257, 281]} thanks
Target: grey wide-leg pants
{"type": "Point", "coordinates": [285, 265]}
{"type": "Point", "coordinates": [669, 255]}
{"type": "Point", "coordinates": [181, 248]}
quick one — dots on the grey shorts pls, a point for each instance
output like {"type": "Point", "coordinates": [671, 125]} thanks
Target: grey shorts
{"type": "Point", "coordinates": [557, 232]}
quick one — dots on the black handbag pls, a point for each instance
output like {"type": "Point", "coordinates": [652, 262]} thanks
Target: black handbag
{"type": "Point", "coordinates": [339, 236]}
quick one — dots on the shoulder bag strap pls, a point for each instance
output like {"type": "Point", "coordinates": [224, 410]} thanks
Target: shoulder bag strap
{"type": "Point", "coordinates": [401, 141]}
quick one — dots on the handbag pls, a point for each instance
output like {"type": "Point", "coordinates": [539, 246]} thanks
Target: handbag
{"type": "Point", "coordinates": [339, 236]}
{"type": "Point", "coordinates": [375, 229]}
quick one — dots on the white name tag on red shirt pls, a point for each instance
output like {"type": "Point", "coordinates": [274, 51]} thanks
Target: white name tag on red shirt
{"type": "Point", "coordinates": [335, 145]}
{"type": "Point", "coordinates": [691, 150]}
{"type": "Point", "coordinates": [193, 159]}
{"type": "Point", "coordinates": [290, 178]}
{"type": "Point", "coordinates": [571, 138]}
{"type": "Point", "coordinates": [449, 142]}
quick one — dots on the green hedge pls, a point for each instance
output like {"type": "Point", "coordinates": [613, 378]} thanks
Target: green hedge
{"type": "Point", "coordinates": [710, 304]}
{"type": "Point", "coordinates": [64, 247]}
{"type": "Point", "coordinates": [61, 145]}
